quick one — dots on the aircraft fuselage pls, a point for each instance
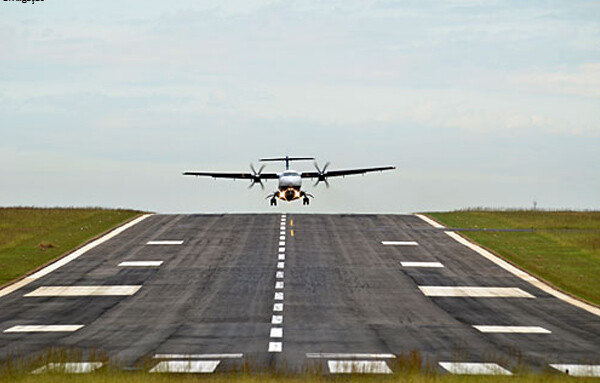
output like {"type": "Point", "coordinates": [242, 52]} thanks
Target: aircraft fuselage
{"type": "Point", "coordinates": [290, 183]}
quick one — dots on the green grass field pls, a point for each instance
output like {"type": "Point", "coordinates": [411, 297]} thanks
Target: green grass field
{"type": "Point", "coordinates": [564, 249]}
{"type": "Point", "coordinates": [31, 237]}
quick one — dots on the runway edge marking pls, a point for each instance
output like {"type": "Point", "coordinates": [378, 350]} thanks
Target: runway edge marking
{"type": "Point", "coordinates": [70, 257]}
{"type": "Point", "coordinates": [513, 269]}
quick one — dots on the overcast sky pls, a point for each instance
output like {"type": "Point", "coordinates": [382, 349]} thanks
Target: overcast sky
{"type": "Point", "coordinates": [478, 103]}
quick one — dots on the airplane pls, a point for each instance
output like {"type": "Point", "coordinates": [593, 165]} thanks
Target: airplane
{"type": "Point", "coordinates": [290, 181]}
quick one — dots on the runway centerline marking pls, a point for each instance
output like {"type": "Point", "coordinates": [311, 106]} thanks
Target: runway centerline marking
{"type": "Point", "coordinates": [331, 355]}
{"type": "Point", "coordinates": [582, 370]}
{"type": "Point", "coordinates": [44, 328]}
{"type": "Point", "coordinates": [474, 368]}
{"type": "Point", "coordinates": [279, 275]}
{"type": "Point", "coordinates": [278, 296]}
{"type": "Point", "coordinates": [275, 346]}
{"type": "Point", "coordinates": [69, 367]}
{"type": "Point", "coordinates": [281, 256]}
{"type": "Point", "coordinates": [281, 243]}
{"type": "Point", "coordinates": [279, 285]}
{"type": "Point", "coordinates": [280, 265]}
{"type": "Point", "coordinates": [282, 249]}
{"type": "Point", "coordinates": [399, 243]}
{"type": "Point", "coordinates": [166, 242]}
{"type": "Point", "coordinates": [276, 332]}
{"type": "Point", "coordinates": [199, 356]}
{"type": "Point", "coordinates": [512, 329]}
{"type": "Point", "coordinates": [278, 307]}
{"type": "Point", "coordinates": [474, 292]}
{"type": "Point", "coordinates": [80, 291]}
{"type": "Point", "coordinates": [277, 319]}
{"type": "Point", "coordinates": [140, 264]}
{"type": "Point", "coordinates": [358, 366]}
{"type": "Point", "coordinates": [186, 366]}
{"type": "Point", "coordinates": [422, 264]}
{"type": "Point", "coordinates": [282, 237]}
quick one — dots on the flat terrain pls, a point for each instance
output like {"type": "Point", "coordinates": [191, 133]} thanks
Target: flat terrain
{"type": "Point", "coordinates": [30, 237]}
{"type": "Point", "coordinates": [563, 248]}
{"type": "Point", "coordinates": [330, 293]}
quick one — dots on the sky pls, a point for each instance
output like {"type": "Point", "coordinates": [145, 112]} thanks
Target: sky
{"type": "Point", "coordinates": [477, 103]}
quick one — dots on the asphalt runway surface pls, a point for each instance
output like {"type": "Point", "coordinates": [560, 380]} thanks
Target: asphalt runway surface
{"type": "Point", "coordinates": [209, 293]}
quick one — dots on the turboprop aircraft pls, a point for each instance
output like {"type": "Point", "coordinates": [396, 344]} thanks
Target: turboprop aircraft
{"type": "Point", "coordinates": [290, 181]}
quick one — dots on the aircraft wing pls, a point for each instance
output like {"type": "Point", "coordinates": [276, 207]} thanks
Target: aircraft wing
{"type": "Point", "coordinates": [246, 176]}
{"type": "Point", "coordinates": [348, 172]}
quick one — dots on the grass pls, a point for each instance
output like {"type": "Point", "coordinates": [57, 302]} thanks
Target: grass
{"type": "Point", "coordinates": [564, 249]}
{"type": "Point", "coordinates": [32, 237]}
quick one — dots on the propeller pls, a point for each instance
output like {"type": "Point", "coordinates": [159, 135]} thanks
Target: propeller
{"type": "Point", "coordinates": [322, 174]}
{"type": "Point", "coordinates": [256, 176]}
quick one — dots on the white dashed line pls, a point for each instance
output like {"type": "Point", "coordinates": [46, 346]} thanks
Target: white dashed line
{"type": "Point", "coordinates": [164, 243]}
{"type": "Point", "coordinates": [279, 275]}
{"type": "Point", "coordinates": [275, 346]}
{"type": "Point", "coordinates": [474, 292]}
{"type": "Point", "coordinates": [140, 264]}
{"type": "Point", "coordinates": [69, 368]}
{"type": "Point", "coordinates": [277, 319]}
{"type": "Point", "coordinates": [282, 237]}
{"type": "Point", "coordinates": [330, 355]}
{"type": "Point", "coordinates": [279, 285]}
{"type": "Point", "coordinates": [422, 264]}
{"type": "Point", "coordinates": [513, 329]}
{"type": "Point", "coordinates": [278, 296]}
{"type": "Point", "coordinates": [280, 265]}
{"type": "Point", "coordinates": [282, 249]}
{"type": "Point", "coordinates": [42, 328]}
{"type": "Point", "coordinates": [583, 370]}
{"type": "Point", "coordinates": [278, 307]}
{"type": "Point", "coordinates": [282, 243]}
{"type": "Point", "coordinates": [474, 368]}
{"type": "Point", "coordinates": [281, 256]}
{"type": "Point", "coordinates": [358, 367]}
{"type": "Point", "coordinates": [79, 291]}
{"type": "Point", "coordinates": [276, 332]}
{"type": "Point", "coordinates": [399, 243]}
{"type": "Point", "coordinates": [198, 356]}
{"type": "Point", "coordinates": [186, 366]}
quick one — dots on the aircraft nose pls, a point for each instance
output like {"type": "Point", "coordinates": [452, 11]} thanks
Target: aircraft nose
{"type": "Point", "coordinates": [289, 195]}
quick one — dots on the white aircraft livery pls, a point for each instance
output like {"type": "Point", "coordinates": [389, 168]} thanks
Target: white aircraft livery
{"type": "Point", "coordinates": [290, 181]}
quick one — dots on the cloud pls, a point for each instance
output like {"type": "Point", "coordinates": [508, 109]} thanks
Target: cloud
{"type": "Point", "coordinates": [583, 81]}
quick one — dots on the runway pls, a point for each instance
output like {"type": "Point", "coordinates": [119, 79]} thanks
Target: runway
{"type": "Point", "coordinates": [208, 293]}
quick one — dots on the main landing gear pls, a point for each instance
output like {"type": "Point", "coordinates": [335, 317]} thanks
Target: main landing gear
{"type": "Point", "coordinates": [305, 199]}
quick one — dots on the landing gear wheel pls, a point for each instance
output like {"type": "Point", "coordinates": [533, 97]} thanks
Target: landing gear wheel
{"type": "Point", "coordinates": [305, 201]}
{"type": "Point", "coordinates": [273, 201]}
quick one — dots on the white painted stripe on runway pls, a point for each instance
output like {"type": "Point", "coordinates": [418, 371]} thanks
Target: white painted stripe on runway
{"type": "Point", "coordinates": [277, 319]}
{"type": "Point", "coordinates": [198, 356]}
{"type": "Point", "coordinates": [515, 270]}
{"type": "Point", "coordinates": [186, 366]}
{"type": "Point", "coordinates": [282, 232]}
{"type": "Point", "coordinates": [140, 264]}
{"type": "Point", "coordinates": [474, 292]}
{"type": "Point", "coordinates": [165, 242]}
{"type": "Point", "coordinates": [276, 332]}
{"type": "Point", "coordinates": [44, 328]}
{"type": "Point", "coordinates": [282, 249]}
{"type": "Point", "coordinates": [474, 368]}
{"type": "Point", "coordinates": [331, 355]}
{"type": "Point", "coordinates": [278, 296]}
{"type": "Point", "coordinates": [282, 237]}
{"type": "Point", "coordinates": [281, 256]}
{"type": "Point", "coordinates": [78, 291]}
{"type": "Point", "coordinates": [422, 264]}
{"type": "Point", "coordinates": [279, 285]}
{"type": "Point", "coordinates": [281, 243]}
{"type": "Point", "coordinates": [279, 274]}
{"type": "Point", "coordinates": [358, 367]}
{"type": "Point", "coordinates": [275, 347]}
{"type": "Point", "coordinates": [280, 265]}
{"type": "Point", "coordinates": [399, 243]}
{"type": "Point", "coordinates": [69, 368]}
{"type": "Point", "coordinates": [513, 329]}
{"type": "Point", "coordinates": [278, 307]}
{"type": "Point", "coordinates": [69, 258]}
{"type": "Point", "coordinates": [582, 370]}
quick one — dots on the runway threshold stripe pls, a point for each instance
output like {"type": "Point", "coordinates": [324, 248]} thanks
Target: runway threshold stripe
{"type": "Point", "coordinates": [140, 264]}
{"type": "Point", "coordinates": [422, 264]}
{"type": "Point", "coordinates": [581, 370]}
{"type": "Point", "coordinates": [199, 356]}
{"type": "Point", "coordinates": [474, 368]}
{"type": "Point", "coordinates": [330, 355]}
{"type": "Point", "coordinates": [164, 243]}
{"type": "Point", "coordinates": [78, 291]}
{"type": "Point", "coordinates": [186, 366]}
{"type": "Point", "coordinates": [513, 329]}
{"type": "Point", "coordinates": [69, 368]}
{"type": "Point", "coordinates": [358, 367]}
{"type": "Point", "coordinates": [44, 328]}
{"type": "Point", "coordinates": [399, 243]}
{"type": "Point", "coordinates": [474, 292]}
